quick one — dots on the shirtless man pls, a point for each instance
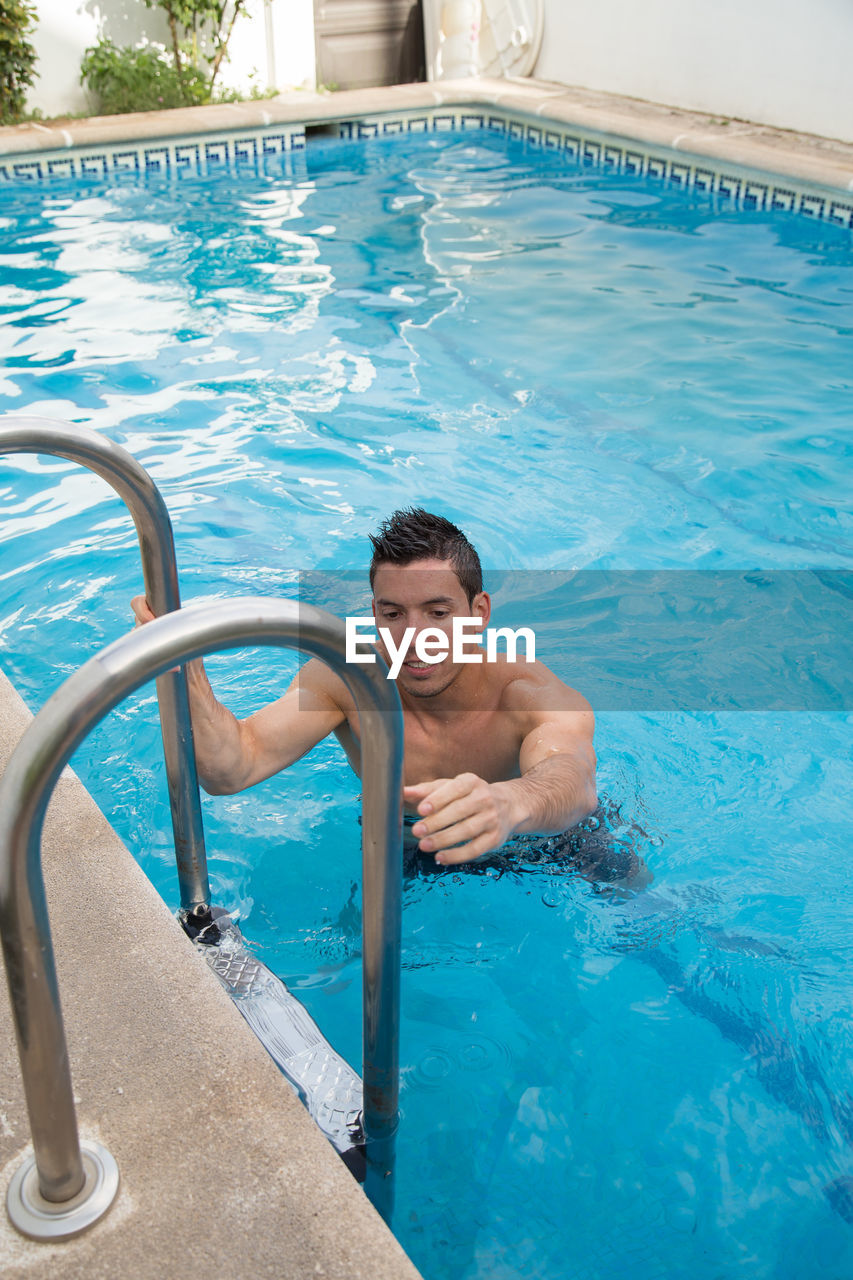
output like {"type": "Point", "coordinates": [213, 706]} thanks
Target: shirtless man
{"type": "Point", "coordinates": [491, 749]}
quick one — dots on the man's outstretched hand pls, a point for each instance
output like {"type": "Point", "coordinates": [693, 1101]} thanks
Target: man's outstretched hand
{"type": "Point", "coordinates": [461, 818]}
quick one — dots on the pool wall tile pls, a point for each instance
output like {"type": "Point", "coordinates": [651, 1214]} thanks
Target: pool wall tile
{"type": "Point", "coordinates": [249, 149]}
{"type": "Point", "coordinates": [730, 184]}
{"type": "Point", "coordinates": [200, 155]}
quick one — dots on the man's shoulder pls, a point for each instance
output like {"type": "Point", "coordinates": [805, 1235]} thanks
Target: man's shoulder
{"type": "Point", "coordinates": [318, 682]}
{"type": "Point", "coordinates": [533, 687]}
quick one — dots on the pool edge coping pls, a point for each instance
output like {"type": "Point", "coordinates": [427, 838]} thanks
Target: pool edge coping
{"type": "Point", "coordinates": [823, 162]}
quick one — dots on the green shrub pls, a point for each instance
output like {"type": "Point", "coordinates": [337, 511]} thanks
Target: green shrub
{"type": "Point", "coordinates": [142, 79]}
{"type": "Point", "coordinates": [17, 57]}
{"type": "Point", "coordinates": [149, 78]}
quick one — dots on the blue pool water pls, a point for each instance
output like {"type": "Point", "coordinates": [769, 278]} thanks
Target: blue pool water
{"type": "Point", "coordinates": [585, 372]}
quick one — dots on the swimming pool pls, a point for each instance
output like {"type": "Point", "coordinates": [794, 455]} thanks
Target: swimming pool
{"type": "Point", "coordinates": [584, 373]}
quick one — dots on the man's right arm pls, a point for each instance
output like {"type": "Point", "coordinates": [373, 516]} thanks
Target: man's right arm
{"type": "Point", "coordinates": [233, 754]}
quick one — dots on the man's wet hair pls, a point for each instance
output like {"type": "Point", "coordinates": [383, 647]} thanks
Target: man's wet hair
{"type": "Point", "coordinates": [415, 534]}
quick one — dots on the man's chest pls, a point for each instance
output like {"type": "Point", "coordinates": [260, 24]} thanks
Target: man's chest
{"type": "Point", "coordinates": [487, 745]}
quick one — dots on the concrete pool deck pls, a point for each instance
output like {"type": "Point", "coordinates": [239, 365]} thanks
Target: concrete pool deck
{"type": "Point", "coordinates": [806, 157]}
{"type": "Point", "coordinates": [221, 1168]}
{"type": "Point", "coordinates": [220, 1164]}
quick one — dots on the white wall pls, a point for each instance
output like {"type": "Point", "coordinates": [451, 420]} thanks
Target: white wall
{"type": "Point", "coordinates": [780, 62]}
{"type": "Point", "coordinates": [66, 28]}
{"type": "Point", "coordinates": [275, 41]}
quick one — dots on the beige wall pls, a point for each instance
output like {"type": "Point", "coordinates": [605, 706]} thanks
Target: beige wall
{"type": "Point", "coordinates": [777, 62]}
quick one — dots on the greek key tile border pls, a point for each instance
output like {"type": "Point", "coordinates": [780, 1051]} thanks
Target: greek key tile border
{"type": "Point", "coordinates": [207, 153]}
{"type": "Point", "coordinates": [739, 187]}
{"type": "Point", "coordinates": [203, 154]}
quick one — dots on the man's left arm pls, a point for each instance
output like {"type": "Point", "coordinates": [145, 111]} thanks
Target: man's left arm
{"type": "Point", "coordinates": [465, 817]}
{"type": "Point", "coordinates": [556, 789]}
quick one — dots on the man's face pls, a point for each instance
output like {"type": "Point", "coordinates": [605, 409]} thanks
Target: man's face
{"type": "Point", "coordinates": [425, 594]}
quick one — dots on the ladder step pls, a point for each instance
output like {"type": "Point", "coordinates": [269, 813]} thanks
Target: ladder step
{"type": "Point", "coordinates": [324, 1081]}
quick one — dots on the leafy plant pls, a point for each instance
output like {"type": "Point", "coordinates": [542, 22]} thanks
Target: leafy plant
{"type": "Point", "coordinates": [150, 78]}
{"type": "Point", "coordinates": [142, 79]}
{"type": "Point", "coordinates": [198, 24]}
{"type": "Point", "coordinates": [17, 57]}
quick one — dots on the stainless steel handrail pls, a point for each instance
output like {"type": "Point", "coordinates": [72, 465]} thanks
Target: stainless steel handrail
{"type": "Point", "coordinates": [25, 789]}
{"type": "Point", "coordinates": [160, 574]}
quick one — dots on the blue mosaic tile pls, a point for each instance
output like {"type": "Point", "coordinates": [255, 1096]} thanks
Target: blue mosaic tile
{"type": "Point", "coordinates": [156, 157]}
{"type": "Point", "coordinates": [252, 147]}
{"type": "Point", "coordinates": [841, 214]}
{"type": "Point", "coordinates": [591, 152]}
{"type": "Point", "coordinates": [159, 160]}
{"type": "Point", "coordinates": [94, 166]}
{"type": "Point", "coordinates": [188, 156]}
{"type": "Point", "coordinates": [125, 161]}
{"type": "Point", "coordinates": [786, 201]}
{"type": "Point", "coordinates": [62, 168]}
{"type": "Point", "coordinates": [812, 206]}
{"type": "Point", "coordinates": [755, 195]}
{"type": "Point", "coordinates": [216, 152]}
{"type": "Point", "coordinates": [29, 170]}
{"type": "Point", "coordinates": [273, 144]}
{"type": "Point", "coordinates": [245, 150]}
{"type": "Point", "coordinates": [729, 186]}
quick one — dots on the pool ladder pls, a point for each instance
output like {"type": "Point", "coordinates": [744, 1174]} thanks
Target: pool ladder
{"type": "Point", "coordinates": [66, 1186]}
